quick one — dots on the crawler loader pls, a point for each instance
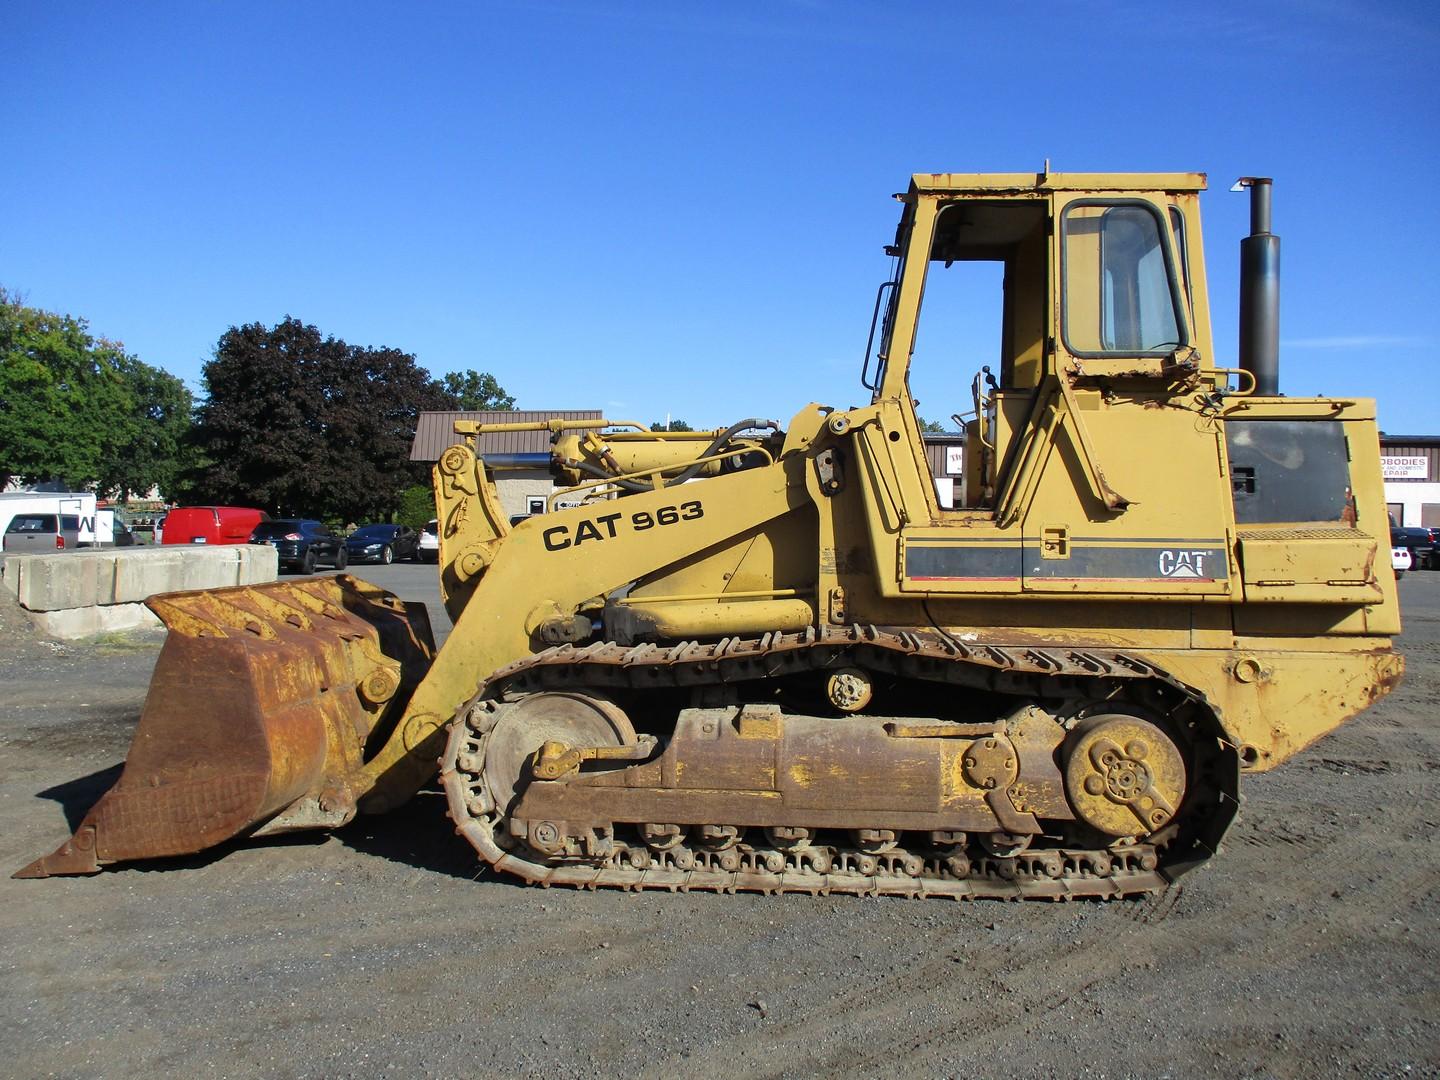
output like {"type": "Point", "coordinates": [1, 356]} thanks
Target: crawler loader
{"type": "Point", "coordinates": [781, 658]}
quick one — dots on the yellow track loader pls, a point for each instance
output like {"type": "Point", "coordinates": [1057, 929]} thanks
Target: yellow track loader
{"type": "Point", "coordinates": [780, 658]}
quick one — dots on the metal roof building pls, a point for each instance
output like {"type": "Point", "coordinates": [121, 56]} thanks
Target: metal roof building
{"type": "Point", "coordinates": [434, 431]}
{"type": "Point", "coordinates": [521, 490]}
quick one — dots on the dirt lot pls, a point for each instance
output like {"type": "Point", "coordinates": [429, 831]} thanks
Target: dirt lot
{"type": "Point", "coordinates": [1310, 948]}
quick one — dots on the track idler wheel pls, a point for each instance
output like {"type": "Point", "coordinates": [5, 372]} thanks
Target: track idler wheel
{"type": "Point", "coordinates": [515, 755]}
{"type": "Point", "coordinates": [526, 725]}
{"type": "Point", "coordinates": [1123, 775]}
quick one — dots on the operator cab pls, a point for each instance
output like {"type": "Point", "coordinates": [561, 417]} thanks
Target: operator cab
{"type": "Point", "coordinates": [978, 317]}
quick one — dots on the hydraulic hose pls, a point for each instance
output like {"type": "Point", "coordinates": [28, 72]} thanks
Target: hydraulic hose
{"type": "Point", "coordinates": [691, 471]}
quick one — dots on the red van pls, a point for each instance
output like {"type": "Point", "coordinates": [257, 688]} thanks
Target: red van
{"type": "Point", "coordinates": [211, 524]}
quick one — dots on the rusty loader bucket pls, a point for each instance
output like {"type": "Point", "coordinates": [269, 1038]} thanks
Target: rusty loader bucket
{"type": "Point", "coordinates": [262, 706]}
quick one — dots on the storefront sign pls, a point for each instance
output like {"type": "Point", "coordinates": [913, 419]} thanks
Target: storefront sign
{"type": "Point", "coordinates": [1405, 468]}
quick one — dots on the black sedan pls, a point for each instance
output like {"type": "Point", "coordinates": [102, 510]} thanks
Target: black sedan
{"type": "Point", "coordinates": [301, 543]}
{"type": "Point", "coordinates": [382, 543]}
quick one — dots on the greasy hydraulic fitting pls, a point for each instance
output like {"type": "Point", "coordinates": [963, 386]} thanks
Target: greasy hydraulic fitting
{"type": "Point", "coordinates": [555, 759]}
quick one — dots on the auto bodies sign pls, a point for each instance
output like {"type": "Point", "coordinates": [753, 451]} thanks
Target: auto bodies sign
{"type": "Point", "coordinates": [1405, 468]}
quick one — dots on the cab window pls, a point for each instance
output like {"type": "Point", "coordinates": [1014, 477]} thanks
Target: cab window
{"type": "Point", "coordinates": [1177, 237]}
{"type": "Point", "coordinates": [979, 347]}
{"type": "Point", "coordinates": [1120, 295]}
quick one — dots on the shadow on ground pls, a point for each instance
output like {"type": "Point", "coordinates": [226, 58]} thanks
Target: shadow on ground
{"type": "Point", "coordinates": [419, 834]}
{"type": "Point", "coordinates": [77, 796]}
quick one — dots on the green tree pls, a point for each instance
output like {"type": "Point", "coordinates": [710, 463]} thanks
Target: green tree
{"type": "Point", "coordinates": [673, 425]}
{"type": "Point", "coordinates": [933, 427]}
{"type": "Point", "coordinates": [473, 391]}
{"type": "Point", "coordinates": [417, 506]}
{"type": "Point", "coordinates": [80, 409]}
{"type": "Point", "coordinates": [299, 423]}
{"type": "Point", "coordinates": [151, 432]}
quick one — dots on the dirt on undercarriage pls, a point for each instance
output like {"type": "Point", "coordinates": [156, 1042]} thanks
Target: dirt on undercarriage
{"type": "Point", "coordinates": [1310, 947]}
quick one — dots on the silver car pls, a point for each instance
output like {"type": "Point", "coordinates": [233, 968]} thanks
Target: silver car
{"type": "Point", "coordinates": [427, 549]}
{"type": "Point", "coordinates": [34, 534]}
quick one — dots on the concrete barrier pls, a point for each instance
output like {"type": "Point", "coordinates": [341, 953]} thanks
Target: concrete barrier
{"type": "Point", "coordinates": [80, 593]}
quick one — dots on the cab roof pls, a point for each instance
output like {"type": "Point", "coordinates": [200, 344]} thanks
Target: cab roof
{"type": "Point", "coordinates": [993, 183]}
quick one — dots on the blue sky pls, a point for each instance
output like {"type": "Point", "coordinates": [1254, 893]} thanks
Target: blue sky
{"type": "Point", "coordinates": [669, 208]}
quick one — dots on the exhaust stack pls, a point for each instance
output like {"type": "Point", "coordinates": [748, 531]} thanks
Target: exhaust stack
{"type": "Point", "coordinates": [1260, 291]}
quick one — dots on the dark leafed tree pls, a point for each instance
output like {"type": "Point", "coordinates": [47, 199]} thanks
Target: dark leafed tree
{"type": "Point", "coordinates": [301, 424]}
{"type": "Point", "coordinates": [670, 425]}
{"type": "Point", "coordinates": [81, 410]}
{"type": "Point", "coordinates": [474, 391]}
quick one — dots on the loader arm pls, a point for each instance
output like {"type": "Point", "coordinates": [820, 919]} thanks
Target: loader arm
{"type": "Point", "coordinates": [531, 583]}
{"type": "Point", "coordinates": [316, 685]}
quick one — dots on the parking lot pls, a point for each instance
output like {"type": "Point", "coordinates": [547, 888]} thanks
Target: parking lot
{"type": "Point", "coordinates": [413, 581]}
{"type": "Point", "coordinates": [1310, 947]}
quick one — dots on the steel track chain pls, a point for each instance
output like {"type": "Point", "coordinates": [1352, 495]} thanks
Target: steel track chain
{"type": "Point", "coordinates": [1038, 873]}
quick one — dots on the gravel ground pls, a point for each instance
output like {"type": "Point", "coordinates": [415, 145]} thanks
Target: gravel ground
{"type": "Point", "coordinates": [1309, 948]}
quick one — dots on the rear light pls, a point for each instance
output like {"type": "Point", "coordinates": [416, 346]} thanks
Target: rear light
{"type": "Point", "coordinates": [60, 543]}
{"type": "Point", "coordinates": [292, 536]}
